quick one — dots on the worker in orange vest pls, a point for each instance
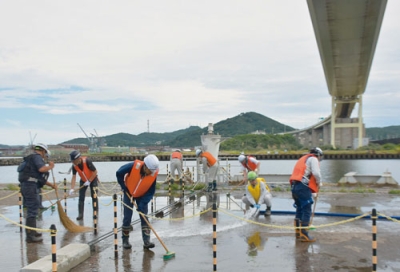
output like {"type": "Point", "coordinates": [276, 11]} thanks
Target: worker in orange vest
{"type": "Point", "coordinates": [305, 180]}
{"type": "Point", "coordinates": [176, 162]}
{"type": "Point", "coordinates": [210, 168]}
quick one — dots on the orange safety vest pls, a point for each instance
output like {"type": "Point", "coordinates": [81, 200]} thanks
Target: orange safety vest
{"type": "Point", "coordinates": [249, 164]}
{"type": "Point", "coordinates": [299, 170]}
{"type": "Point", "coordinates": [176, 155]}
{"type": "Point", "coordinates": [86, 173]}
{"type": "Point", "coordinates": [136, 184]}
{"type": "Point", "coordinates": [210, 158]}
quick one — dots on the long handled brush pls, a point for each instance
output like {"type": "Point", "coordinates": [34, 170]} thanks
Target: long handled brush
{"type": "Point", "coordinates": [65, 221]}
{"type": "Point", "coordinates": [168, 255]}
{"type": "Point", "coordinates": [313, 212]}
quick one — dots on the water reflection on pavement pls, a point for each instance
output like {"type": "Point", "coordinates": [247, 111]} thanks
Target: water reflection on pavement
{"type": "Point", "coordinates": [242, 245]}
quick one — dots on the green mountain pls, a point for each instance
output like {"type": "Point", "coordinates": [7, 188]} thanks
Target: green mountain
{"type": "Point", "coordinates": [376, 133]}
{"type": "Point", "coordinates": [244, 123]}
{"type": "Point", "coordinates": [240, 125]}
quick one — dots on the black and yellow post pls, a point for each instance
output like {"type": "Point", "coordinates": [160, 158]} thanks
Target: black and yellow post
{"type": "Point", "coordinates": [374, 241]}
{"type": "Point", "coordinates": [214, 208]}
{"type": "Point", "coordinates": [65, 195]}
{"type": "Point", "coordinates": [115, 227]}
{"type": "Point", "coordinates": [95, 207]}
{"type": "Point", "coordinates": [183, 188]}
{"type": "Point", "coordinates": [20, 210]}
{"type": "Point", "coordinates": [169, 188]}
{"type": "Point", "coordinates": [53, 234]}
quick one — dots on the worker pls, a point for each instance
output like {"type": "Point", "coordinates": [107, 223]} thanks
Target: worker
{"type": "Point", "coordinates": [305, 180]}
{"type": "Point", "coordinates": [138, 183]}
{"type": "Point", "coordinates": [176, 162]}
{"type": "Point", "coordinates": [30, 176]}
{"type": "Point", "coordinates": [249, 163]}
{"type": "Point", "coordinates": [88, 178]}
{"type": "Point", "coordinates": [257, 193]}
{"type": "Point", "coordinates": [210, 168]}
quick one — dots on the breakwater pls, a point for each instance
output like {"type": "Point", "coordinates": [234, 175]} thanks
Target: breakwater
{"type": "Point", "coordinates": [283, 156]}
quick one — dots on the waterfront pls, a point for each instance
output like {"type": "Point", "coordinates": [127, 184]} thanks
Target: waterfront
{"type": "Point", "coordinates": [332, 170]}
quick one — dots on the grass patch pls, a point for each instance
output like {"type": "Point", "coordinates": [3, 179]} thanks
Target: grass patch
{"type": "Point", "coordinates": [394, 192]}
{"type": "Point", "coordinates": [362, 191]}
{"type": "Point", "coordinates": [12, 187]}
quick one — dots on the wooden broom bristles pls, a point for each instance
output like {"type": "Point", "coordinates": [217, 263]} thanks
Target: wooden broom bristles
{"type": "Point", "coordinates": [65, 220]}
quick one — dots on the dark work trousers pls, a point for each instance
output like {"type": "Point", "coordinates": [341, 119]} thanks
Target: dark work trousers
{"type": "Point", "coordinates": [82, 191]}
{"type": "Point", "coordinates": [303, 200]}
{"type": "Point", "coordinates": [142, 203]}
{"type": "Point", "coordinates": [31, 198]}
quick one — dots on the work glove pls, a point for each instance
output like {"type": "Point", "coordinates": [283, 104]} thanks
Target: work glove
{"type": "Point", "coordinates": [257, 206]}
{"type": "Point", "coordinates": [71, 192]}
{"type": "Point", "coordinates": [87, 183]}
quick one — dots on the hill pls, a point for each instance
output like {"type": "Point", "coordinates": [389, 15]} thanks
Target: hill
{"type": "Point", "coordinates": [376, 133]}
{"type": "Point", "coordinates": [244, 123]}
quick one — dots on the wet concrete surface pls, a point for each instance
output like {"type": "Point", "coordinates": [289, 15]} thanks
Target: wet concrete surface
{"type": "Point", "coordinates": [243, 243]}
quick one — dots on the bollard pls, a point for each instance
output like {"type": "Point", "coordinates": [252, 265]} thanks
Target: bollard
{"type": "Point", "coordinates": [115, 227]}
{"type": "Point", "coordinates": [214, 208]}
{"type": "Point", "coordinates": [374, 242]}
{"type": "Point", "coordinates": [53, 247]}
{"type": "Point", "coordinates": [95, 207]}
{"type": "Point", "coordinates": [183, 188]}
{"type": "Point", "coordinates": [20, 210]}
{"type": "Point", "coordinates": [152, 205]}
{"type": "Point", "coordinates": [65, 195]}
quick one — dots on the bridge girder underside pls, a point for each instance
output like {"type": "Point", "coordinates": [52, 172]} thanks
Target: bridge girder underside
{"type": "Point", "coordinates": [347, 34]}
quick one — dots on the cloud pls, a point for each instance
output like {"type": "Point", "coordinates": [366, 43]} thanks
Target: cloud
{"type": "Point", "coordinates": [119, 66]}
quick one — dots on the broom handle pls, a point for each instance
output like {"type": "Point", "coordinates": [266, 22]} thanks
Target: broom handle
{"type": "Point", "coordinates": [315, 205]}
{"type": "Point", "coordinates": [148, 223]}
{"type": "Point", "coordinates": [54, 183]}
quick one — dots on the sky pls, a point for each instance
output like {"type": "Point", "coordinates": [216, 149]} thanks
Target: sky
{"type": "Point", "coordinates": [160, 66]}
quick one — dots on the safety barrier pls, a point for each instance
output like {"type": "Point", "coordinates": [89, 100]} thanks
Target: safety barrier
{"type": "Point", "coordinates": [374, 216]}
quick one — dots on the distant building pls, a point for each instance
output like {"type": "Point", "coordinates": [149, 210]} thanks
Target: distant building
{"type": "Point", "coordinates": [83, 148]}
{"type": "Point", "coordinates": [259, 132]}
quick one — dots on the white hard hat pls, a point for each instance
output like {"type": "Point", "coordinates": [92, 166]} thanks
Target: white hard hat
{"type": "Point", "coordinates": [241, 158]}
{"type": "Point", "coordinates": [42, 147]}
{"type": "Point", "coordinates": [152, 162]}
{"type": "Point", "coordinates": [198, 152]}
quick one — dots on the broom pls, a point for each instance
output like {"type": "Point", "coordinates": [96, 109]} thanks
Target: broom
{"type": "Point", "coordinates": [168, 255]}
{"type": "Point", "coordinates": [65, 221]}
{"type": "Point", "coordinates": [313, 212]}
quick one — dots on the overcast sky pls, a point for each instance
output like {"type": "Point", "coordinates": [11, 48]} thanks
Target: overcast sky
{"type": "Point", "coordinates": [117, 66]}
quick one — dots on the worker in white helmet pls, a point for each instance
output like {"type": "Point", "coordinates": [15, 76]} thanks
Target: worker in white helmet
{"type": "Point", "coordinates": [31, 175]}
{"type": "Point", "coordinates": [210, 168]}
{"type": "Point", "coordinates": [249, 163]}
{"type": "Point", "coordinates": [138, 181]}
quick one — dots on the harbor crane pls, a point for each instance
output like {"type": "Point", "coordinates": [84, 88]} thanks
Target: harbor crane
{"type": "Point", "coordinates": [92, 141]}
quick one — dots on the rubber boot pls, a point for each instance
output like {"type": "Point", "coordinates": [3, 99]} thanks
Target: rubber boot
{"type": "Point", "coordinates": [214, 185]}
{"type": "Point", "coordinates": [297, 231]}
{"type": "Point", "coordinates": [125, 238]}
{"type": "Point", "coordinates": [80, 210]}
{"type": "Point", "coordinates": [210, 186]}
{"type": "Point", "coordinates": [41, 207]}
{"type": "Point", "coordinates": [304, 236]}
{"type": "Point", "coordinates": [31, 234]}
{"type": "Point", "coordinates": [268, 211]}
{"type": "Point", "coordinates": [146, 238]}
